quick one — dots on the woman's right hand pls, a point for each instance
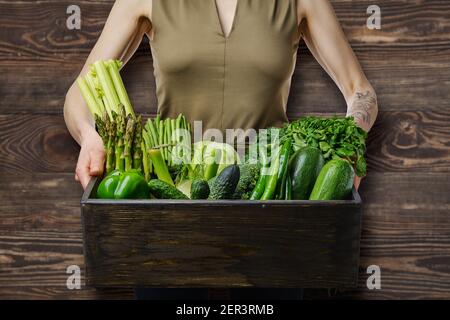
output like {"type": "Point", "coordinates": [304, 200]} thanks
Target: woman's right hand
{"type": "Point", "coordinates": [91, 160]}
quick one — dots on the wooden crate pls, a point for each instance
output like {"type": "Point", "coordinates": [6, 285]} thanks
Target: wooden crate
{"type": "Point", "coordinates": [224, 244]}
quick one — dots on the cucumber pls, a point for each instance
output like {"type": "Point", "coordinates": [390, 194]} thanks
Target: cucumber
{"type": "Point", "coordinates": [162, 190]}
{"type": "Point", "coordinates": [224, 185]}
{"type": "Point", "coordinates": [304, 168]}
{"type": "Point", "coordinates": [335, 181]}
{"type": "Point", "coordinates": [199, 190]}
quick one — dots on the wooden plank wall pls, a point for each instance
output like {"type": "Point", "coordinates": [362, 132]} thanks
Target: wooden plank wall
{"type": "Point", "coordinates": [406, 228]}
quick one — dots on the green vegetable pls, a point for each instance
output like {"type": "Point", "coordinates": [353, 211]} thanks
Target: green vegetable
{"type": "Point", "coordinates": [123, 185]}
{"type": "Point", "coordinates": [275, 172]}
{"type": "Point", "coordinates": [211, 165]}
{"type": "Point", "coordinates": [161, 170]}
{"type": "Point", "coordinates": [89, 97]}
{"type": "Point", "coordinates": [119, 143]}
{"type": "Point", "coordinates": [304, 168]}
{"type": "Point", "coordinates": [185, 187]}
{"type": "Point", "coordinates": [113, 67]}
{"type": "Point", "coordinates": [260, 187]}
{"type": "Point", "coordinates": [110, 147]}
{"type": "Point", "coordinates": [288, 186]}
{"type": "Point", "coordinates": [108, 185]}
{"type": "Point", "coordinates": [132, 185]}
{"type": "Point", "coordinates": [249, 176]}
{"type": "Point", "coordinates": [335, 181]}
{"type": "Point", "coordinates": [199, 190]}
{"type": "Point", "coordinates": [335, 137]}
{"type": "Point", "coordinates": [145, 162]}
{"type": "Point", "coordinates": [271, 181]}
{"type": "Point", "coordinates": [283, 170]}
{"type": "Point", "coordinates": [99, 69]}
{"type": "Point", "coordinates": [162, 190]}
{"type": "Point", "coordinates": [137, 146]}
{"type": "Point", "coordinates": [225, 183]}
{"type": "Point", "coordinates": [128, 143]}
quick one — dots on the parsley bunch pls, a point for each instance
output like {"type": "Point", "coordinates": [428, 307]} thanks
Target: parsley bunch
{"type": "Point", "coordinates": [336, 137]}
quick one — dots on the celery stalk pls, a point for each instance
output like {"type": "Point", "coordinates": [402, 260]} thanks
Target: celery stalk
{"type": "Point", "coordinates": [95, 92]}
{"type": "Point", "coordinates": [88, 97]}
{"type": "Point", "coordinates": [107, 85]}
{"type": "Point", "coordinates": [113, 69]}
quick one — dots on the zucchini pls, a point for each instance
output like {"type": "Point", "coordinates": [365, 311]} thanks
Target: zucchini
{"type": "Point", "coordinates": [224, 185]}
{"type": "Point", "coordinates": [199, 190]}
{"type": "Point", "coordinates": [162, 190]}
{"type": "Point", "coordinates": [304, 168]}
{"type": "Point", "coordinates": [335, 181]}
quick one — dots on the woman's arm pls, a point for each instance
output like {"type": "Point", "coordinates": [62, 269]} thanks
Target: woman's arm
{"type": "Point", "coordinates": [123, 31]}
{"type": "Point", "coordinates": [326, 40]}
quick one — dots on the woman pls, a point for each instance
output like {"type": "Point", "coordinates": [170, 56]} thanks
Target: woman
{"type": "Point", "coordinates": [227, 63]}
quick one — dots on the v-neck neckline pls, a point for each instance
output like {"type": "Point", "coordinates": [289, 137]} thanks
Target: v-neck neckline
{"type": "Point", "coordinates": [219, 23]}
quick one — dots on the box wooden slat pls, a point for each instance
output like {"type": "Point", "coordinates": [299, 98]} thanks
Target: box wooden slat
{"type": "Point", "coordinates": [167, 243]}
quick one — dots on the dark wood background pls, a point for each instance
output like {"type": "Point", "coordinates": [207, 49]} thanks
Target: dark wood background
{"type": "Point", "coordinates": [406, 228]}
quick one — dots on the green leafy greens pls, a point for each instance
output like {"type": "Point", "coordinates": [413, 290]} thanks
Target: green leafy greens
{"type": "Point", "coordinates": [336, 137]}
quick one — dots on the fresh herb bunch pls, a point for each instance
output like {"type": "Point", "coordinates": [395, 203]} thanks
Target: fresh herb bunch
{"type": "Point", "coordinates": [336, 137]}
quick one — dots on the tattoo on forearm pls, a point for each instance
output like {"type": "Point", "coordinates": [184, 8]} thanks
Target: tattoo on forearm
{"type": "Point", "coordinates": [363, 107]}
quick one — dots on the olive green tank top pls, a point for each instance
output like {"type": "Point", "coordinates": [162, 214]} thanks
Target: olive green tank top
{"type": "Point", "coordinates": [239, 81]}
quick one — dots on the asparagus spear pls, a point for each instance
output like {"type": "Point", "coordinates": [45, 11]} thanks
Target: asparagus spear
{"type": "Point", "coordinates": [111, 128]}
{"type": "Point", "coordinates": [145, 161]}
{"type": "Point", "coordinates": [101, 128]}
{"type": "Point", "coordinates": [120, 131]}
{"type": "Point", "coordinates": [137, 142]}
{"type": "Point", "coordinates": [128, 142]}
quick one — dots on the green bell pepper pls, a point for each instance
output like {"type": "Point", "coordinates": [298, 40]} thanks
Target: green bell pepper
{"type": "Point", "coordinates": [109, 184]}
{"type": "Point", "coordinates": [123, 185]}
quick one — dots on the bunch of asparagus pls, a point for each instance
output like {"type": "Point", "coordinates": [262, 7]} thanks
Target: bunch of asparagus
{"type": "Point", "coordinates": [105, 94]}
{"type": "Point", "coordinates": [122, 138]}
{"type": "Point", "coordinates": [171, 136]}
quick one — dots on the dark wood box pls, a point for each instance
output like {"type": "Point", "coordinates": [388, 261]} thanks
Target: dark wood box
{"type": "Point", "coordinates": [166, 243]}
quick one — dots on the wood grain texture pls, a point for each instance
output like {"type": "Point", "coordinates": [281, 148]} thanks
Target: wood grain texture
{"type": "Point", "coordinates": [405, 231]}
{"type": "Point", "coordinates": [406, 201]}
{"type": "Point", "coordinates": [220, 244]}
{"type": "Point", "coordinates": [399, 142]}
{"type": "Point", "coordinates": [41, 57]}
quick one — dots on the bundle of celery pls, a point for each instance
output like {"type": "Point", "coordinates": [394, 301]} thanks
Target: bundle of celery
{"type": "Point", "coordinates": [107, 99]}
